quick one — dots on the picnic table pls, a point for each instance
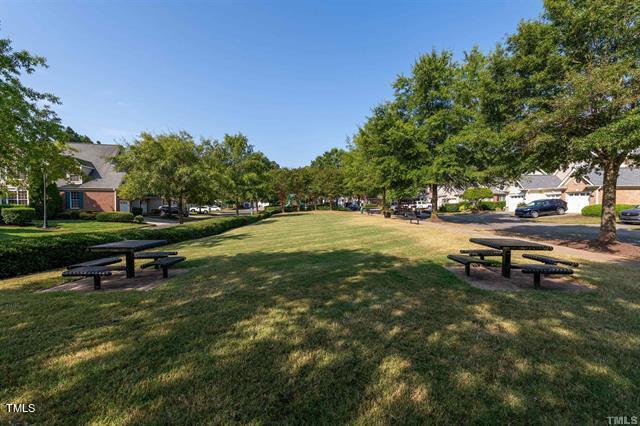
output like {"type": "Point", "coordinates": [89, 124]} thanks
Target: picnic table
{"type": "Point", "coordinates": [128, 247]}
{"type": "Point", "coordinates": [506, 245]}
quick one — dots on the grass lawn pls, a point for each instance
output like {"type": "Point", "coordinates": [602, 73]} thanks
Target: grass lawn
{"type": "Point", "coordinates": [8, 232]}
{"type": "Point", "coordinates": [568, 219]}
{"type": "Point", "coordinates": [322, 318]}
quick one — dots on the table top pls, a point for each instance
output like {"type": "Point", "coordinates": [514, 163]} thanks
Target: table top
{"type": "Point", "coordinates": [510, 243]}
{"type": "Point", "coordinates": [128, 245]}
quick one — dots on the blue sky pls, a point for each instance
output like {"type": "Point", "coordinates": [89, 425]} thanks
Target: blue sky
{"type": "Point", "coordinates": [297, 77]}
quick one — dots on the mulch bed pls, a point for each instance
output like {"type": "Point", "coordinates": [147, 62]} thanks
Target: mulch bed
{"type": "Point", "coordinates": [144, 280]}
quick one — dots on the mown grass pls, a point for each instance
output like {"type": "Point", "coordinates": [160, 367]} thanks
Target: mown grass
{"type": "Point", "coordinates": [322, 318]}
{"type": "Point", "coordinates": [8, 232]}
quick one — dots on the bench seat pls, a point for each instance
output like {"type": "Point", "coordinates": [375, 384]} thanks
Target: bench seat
{"type": "Point", "coordinates": [537, 270]}
{"type": "Point", "coordinates": [97, 272]}
{"type": "Point", "coordinates": [164, 263]}
{"type": "Point", "coordinates": [154, 254]}
{"type": "Point", "coordinates": [467, 261]}
{"type": "Point", "coordinates": [481, 253]}
{"type": "Point", "coordinates": [98, 262]}
{"type": "Point", "coordinates": [549, 260]}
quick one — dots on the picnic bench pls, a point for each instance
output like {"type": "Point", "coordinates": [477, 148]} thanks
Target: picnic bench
{"type": "Point", "coordinates": [538, 270]}
{"type": "Point", "coordinates": [549, 260]}
{"type": "Point", "coordinates": [467, 261]}
{"type": "Point", "coordinates": [481, 253]}
{"type": "Point", "coordinates": [411, 215]}
{"type": "Point", "coordinates": [97, 262]}
{"type": "Point", "coordinates": [164, 263]}
{"type": "Point", "coordinates": [97, 272]}
{"type": "Point", "coordinates": [154, 254]}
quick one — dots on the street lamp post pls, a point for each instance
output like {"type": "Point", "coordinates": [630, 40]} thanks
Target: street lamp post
{"type": "Point", "coordinates": [45, 225]}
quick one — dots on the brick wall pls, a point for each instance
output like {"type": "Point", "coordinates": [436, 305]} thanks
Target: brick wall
{"type": "Point", "coordinates": [97, 201]}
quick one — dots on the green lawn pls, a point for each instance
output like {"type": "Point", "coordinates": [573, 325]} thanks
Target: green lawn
{"type": "Point", "coordinates": [322, 318]}
{"type": "Point", "coordinates": [61, 227]}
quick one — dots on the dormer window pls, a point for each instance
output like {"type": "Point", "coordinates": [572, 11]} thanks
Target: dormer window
{"type": "Point", "coordinates": [74, 178]}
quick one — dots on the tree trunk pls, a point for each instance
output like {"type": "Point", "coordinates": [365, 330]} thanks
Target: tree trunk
{"type": "Point", "coordinates": [45, 224]}
{"type": "Point", "coordinates": [384, 202]}
{"type": "Point", "coordinates": [330, 204]}
{"type": "Point", "coordinates": [608, 218]}
{"type": "Point", "coordinates": [298, 205]}
{"type": "Point", "coordinates": [237, 208]}
{"type": "Point", "coordinates": [252, 205]}
{"type": "Point", "coordinates": [180, 218]}
{"type": "Point", "coordinates": [315, 205]}
{"type": "Point", "coordinates": [434, 201]}
{"type": "Point", "coordinates": [282, 204]}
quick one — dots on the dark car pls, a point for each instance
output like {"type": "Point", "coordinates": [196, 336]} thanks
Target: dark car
{"type": "Point", "coordinates": [164, 211]}
{"type": "Point", "coordinates": [630, 215]}
{"type": "Point", "coordinates": [542, 207]}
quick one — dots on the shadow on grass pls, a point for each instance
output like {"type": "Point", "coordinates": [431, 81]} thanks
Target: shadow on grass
{"type": "Point", "coordinates": [324, 337]}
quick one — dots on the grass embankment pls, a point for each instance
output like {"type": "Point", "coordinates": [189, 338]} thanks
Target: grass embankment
{"type": "Point", "coordinates": [323, 318]}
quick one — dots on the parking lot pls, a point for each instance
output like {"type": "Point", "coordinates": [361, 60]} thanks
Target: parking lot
{"type": "Point", "coordinates": [507, 222]}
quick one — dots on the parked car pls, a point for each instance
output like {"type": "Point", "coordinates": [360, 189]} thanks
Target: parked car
{"type": "Point", "coordinates": [542, 207]}
{"type": "Point", "coordinates": [204, 209]}
{"type": "Point", "coordinates": [420, 204]}
{"type": "Point", "coordinates": [631, 215]}
{"type": "Point", "coordinates": [164, 211]}
{"type": "Point", "coordinates": [353, 206]}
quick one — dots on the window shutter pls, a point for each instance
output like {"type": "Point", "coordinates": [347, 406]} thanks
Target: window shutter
{"type": "Point", "coordinates": [80, 199]}
{"type": "Point", "coordinates": [67, 199]}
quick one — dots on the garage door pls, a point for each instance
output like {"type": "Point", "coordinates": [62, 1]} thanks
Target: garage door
{"type": "Point", "coordinates": [576, 201]}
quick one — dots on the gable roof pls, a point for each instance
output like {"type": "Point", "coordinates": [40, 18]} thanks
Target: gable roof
{"type": "Point", "coordinates": [98, 158]}
{"type": "Point", "coordinates": [539, 181]}
{"type": "Point", "coordinates": [628, 177]}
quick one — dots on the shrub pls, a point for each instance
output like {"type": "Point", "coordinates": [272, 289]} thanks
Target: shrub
{"type": "Point", "coordinates": [87, 216]}
{"type": "Point", "coordinates": [138, 219]}
{"type": "Point", "coordinates": [154, 212]}
{"type": "Point", "coordinates": [450, 207]}
{"type": "Point", "coordinates": [595, 210]}
{"type": "Point", "coordinates": [492, 205]}
{"type": "Point", "coordinates": [475, 195]}
{"type": "Point", "coordinates": [114, 217]}
{"type": "Point", "coordinates": [18, 215]}
{"type": "Point", "coordinates": [28, 255]}
{"type": "Point", "coordinates": [2, 206]}
{"type": "Point", "coordinates": [137, 211]}
{"type": "Point", "coordinates": [69, 215]}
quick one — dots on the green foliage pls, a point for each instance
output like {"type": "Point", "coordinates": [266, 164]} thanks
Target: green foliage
{"type": "Point", "coordinates": [26, 114]}
{"type": "Point", "coordinates": [138, 219]}
{"type": "Point", "coordinates": [114, 217]}
{"type": "Point", "coordinates": [87, 216]}
{"type": "Point", "coordinates": [492, 205]}
{"type": "Point", "coordinates": [69, 215]}
{"type": "Point", "coordinates": [137, 211]}
{"type": "Point", "coordinates": [169, 165]}
{"type": "Point", "coordinates": [595, 210]}
{"type": "Point", "coordinates": [475, 195]}
{"type": "Point", "coordinates": [71, 136]}
{"type": "Point", "coordinates": [17, 215]}
{"type": "Point", "coordinates": [450, 207]}
{"type": "Point", "coordinates": [28, 255]}
{"type": "Point", "coordinates": [55, 202]}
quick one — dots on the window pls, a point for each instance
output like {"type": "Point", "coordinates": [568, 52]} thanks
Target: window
{"type": "Point", "coordinates": [75, 200]}
{"type": "Point", "coordinates": [19, 197]}
{"type": "Point", "coordinates": [74, 178]}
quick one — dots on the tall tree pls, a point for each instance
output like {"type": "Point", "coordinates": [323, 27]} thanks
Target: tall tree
{"type": "Point", "coordinates": [167, 164]}
{"type": "Point", "coordinates": [26, 116]}
{"type": "Point", "coordinates": [280, 182]}
{"type": "Point", "coordinates": [327, 175]}
{"type": "Point", "coordinates": [576, 77]}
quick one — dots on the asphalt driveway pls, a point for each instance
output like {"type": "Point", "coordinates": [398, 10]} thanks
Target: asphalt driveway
{"type": "Point", "coordinates": [504, 222]}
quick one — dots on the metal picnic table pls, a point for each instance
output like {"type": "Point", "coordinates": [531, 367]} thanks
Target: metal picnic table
{"type": "Point", "coordinates": [506, 245]}
{"type": "Point", "coordinates": [128, 247]}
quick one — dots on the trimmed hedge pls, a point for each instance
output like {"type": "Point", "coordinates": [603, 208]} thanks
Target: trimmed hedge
{"type": "Point", "coordinates": [18, 215]}
{"type": "Point", "coordinates": [28, 255]}
{"type": "Point", "coordinates": [87, 216]}
{"type": "Point", "coordinates": [450, 207]}
{"type": "Point", "coordinates": [595, 210]}
{"type": "Point", "coordinates": [138, 219]}
{"type": "Point", "coordinates": [114, 217]}
{"type": "Point", "coordinates": [492, 205]}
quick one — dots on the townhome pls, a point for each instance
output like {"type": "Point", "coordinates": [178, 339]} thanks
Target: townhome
{"type": "Point", "coordinates": [95, 186]}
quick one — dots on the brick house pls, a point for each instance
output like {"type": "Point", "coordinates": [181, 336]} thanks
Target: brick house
{"type": "Point", "coordinates": [95, 186]}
